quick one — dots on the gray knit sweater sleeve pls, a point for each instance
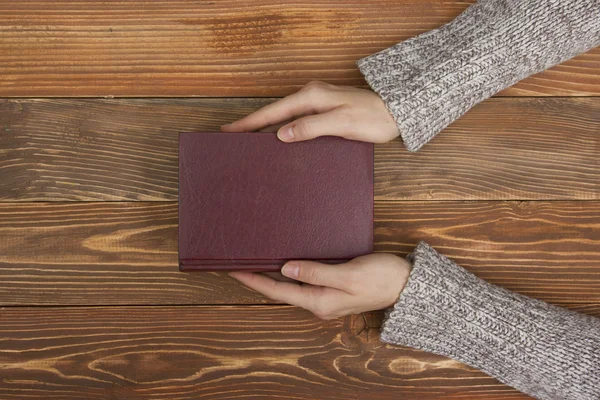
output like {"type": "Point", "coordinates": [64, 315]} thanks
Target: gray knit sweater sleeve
{"type": "Point", "coordinates": [542, 350]}
{"type": "Point", "coordinates": [429, 81]}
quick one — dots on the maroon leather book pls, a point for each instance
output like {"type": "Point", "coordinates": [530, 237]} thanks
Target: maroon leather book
{"type": "Point", "coordinates": [249, 202]}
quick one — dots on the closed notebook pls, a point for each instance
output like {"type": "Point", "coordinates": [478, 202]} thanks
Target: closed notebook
{"type": "Point", "coordinates": [247, 201]}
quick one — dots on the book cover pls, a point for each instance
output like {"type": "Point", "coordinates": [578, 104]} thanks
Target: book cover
{"type": "Point", "coordinates": [247, 201]}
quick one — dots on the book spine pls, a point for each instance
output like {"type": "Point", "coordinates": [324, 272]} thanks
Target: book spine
{"type": "Point", "coordinates": [192, 265]}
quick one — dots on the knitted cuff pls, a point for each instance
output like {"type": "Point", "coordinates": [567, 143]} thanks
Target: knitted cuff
{"type": "Point", "coordinates": [543, 350]}
{"type": "Point", "coordinates": [429, 81]}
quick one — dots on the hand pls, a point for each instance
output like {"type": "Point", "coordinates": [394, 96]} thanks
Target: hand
{"type": "Point", "coordinates": [321, 109]}
{"type": "Point", "coordinates": [366, 283]}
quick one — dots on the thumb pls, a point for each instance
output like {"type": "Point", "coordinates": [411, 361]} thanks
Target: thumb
{"type": "Point", "coordinates": [331, 123]}
{"type": "Point", "coordinates": [316, 273]}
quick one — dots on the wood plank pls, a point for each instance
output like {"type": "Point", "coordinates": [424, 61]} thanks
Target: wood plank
{"type": "Point", "coordinates": [219, 353]}
{"type": "Point", "coordinates": [223, 48]}
{"type": "Point", "coordinates": [101, 253]}
{"type": "Point", "coordinates": [546, 250]}
{"type": "Point", "coordinates": [503, 149]}
{"type": "Point", "coordinates": [126, 253]}
{"type": "Point", "coordinates": [517, 149]}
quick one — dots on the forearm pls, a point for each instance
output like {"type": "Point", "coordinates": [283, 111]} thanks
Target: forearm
{"type": "Point", "coordinates": [429, 81]}
{"type": "Point", "coordinates": [539, 349]}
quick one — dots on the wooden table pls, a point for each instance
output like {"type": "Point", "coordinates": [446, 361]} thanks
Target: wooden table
{"type": "Point", "coordinates": [93, 96]}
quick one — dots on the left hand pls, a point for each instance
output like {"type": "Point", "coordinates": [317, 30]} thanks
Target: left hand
{"type": "Point", "coordinates": [321, 109]}
{"type": "Point", "coordinates": [366, 283]}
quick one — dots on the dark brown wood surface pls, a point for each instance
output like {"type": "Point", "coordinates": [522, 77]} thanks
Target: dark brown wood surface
{"type": "Point", "coordinates": [222, 48]}
{"type": "Point", "coordinates": [219, 353]}
{"type": "Point", "coordinates": [503, 149]}
{"type": "Point", "coordinates": [81, 253]}
{"type": "Point", "coordinates": [92, 305]}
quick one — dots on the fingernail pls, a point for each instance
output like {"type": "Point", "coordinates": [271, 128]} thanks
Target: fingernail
{"type": "Point", "coordinates": [286, 134]}
{"type": "Point", "coordinates": [290, 270]}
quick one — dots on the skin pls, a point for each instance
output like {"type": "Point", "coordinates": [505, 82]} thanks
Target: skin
{"type": "Point", "coordinates": [366, 283]}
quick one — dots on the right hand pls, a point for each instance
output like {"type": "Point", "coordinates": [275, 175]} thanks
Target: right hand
{"type": "Point", "coordinates": [321, 109]}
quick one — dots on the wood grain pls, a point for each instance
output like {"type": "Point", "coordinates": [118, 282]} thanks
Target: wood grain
{"type": "Point", "coordinates": [101, 253]}
{"type": "Point", "coordinates": [546, 250]}
{"type": "Point", "coordinates": [222, 48]}
{"type": "Point", "coordinates": [517, 149]}
{"type": "Point", "coordinates": [219, 353]}
{"type": "Point", "coordinates": [503, 149]}
{"type": "Point", "coordinates": [126, 253]}
{"type": "Point", "coordinates": [88, 190]}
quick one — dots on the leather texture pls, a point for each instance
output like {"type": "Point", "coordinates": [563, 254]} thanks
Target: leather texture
{"type": "Point", "coordinates": [247, 201]}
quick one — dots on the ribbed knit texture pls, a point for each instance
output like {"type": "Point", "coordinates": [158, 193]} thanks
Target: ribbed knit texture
{"type": "Point", "coordinates": [542, 350]}
{"type": "Point", "coordinates": [429, 81]}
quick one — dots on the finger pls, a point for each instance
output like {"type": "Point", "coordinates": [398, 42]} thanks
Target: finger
{"type": "Point", "coordinates": [278, 277]}
{"type": "Point", "coordinates": [274, 128]}
{"type": "Point", "coordinates": [304, 296]}
{"type": "Point", "coordinates": [332, 123]}
{"type": "Point", "coordinates": [300, 103]}
{"type": "Point", "coordinates": [314, 273]}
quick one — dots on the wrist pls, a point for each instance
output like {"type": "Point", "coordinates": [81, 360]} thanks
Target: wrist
{"type": "Point", "coordinates": [401, 278]}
